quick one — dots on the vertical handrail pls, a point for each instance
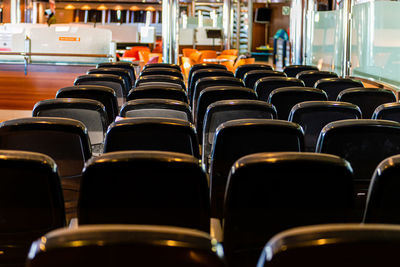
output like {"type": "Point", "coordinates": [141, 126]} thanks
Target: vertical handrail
{"type": "Point", "coordinates": [347, 17]}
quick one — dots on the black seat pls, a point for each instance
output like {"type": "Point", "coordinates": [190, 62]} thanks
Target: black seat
{"type": "Point", "coordinates": [90, 112]}
{"type": "Point", "coordinates": [333, 86]}
{"type": "Point", "coordinates": [383, 197]}
{"type": "Point", "coordinates": [164, 92]}
{"type": "Point", "coordinates": [145, 187]}
{"type": "Point", "coordinates": [368, 99]}
{"type": "Point", "coordinates": [265, 86]}
{"type": "Point", "coordinates": [161, 65]}
{"type": "Point", "coordinates": [162, 71]}
{"type": "Point", "coordinates": [334, 245]}
{"type": "Point", "coordinates": [160, 84]}
{"type": "Point", "coordinates": [124, 245]}
{"type": "Point", "coordinates": [110, 80]}
{"type": "Point", "coordinates": [214, 94]}
{"type": "Point", "coordinates": [163, 134]}
{"type": "Point", "coordinates": [251, 77]}
{"type": "Point", "coordinates": [124, 73]}
{"type": "Point", "coordinates": [293, 70]}
{"type": "Point", "coordinates": [202, 73]}
{"type": "Point", "coordinates": [31, 202]}
{"type": "Point", "coordinates": [364, 143]}
{"type": "Point", "coordinates": [160, 78]}
{"type": "Point", "coordinates": [226, 110]}
{"type": "Point", "coordinates": [388, 111]}
{"type": "Point", "coordinates": [156, 108]}
{"type": "Point", "coordinates": [203, 66]}
{"type": "Point", "coordinates": [310, 77]}
{"type": "Point", "coordinates": [314, 115]}
{"type": "Point", "coordinates": [64, 140]}
{"type": "Point", "coordinates": [205, 82]}
{"type": "Point", "coordinates": [243, 69]}
{"type": "Point", "coordinates": [237, 138]}
{"type": "Point", "coordinates": [121, 64]}
{"type": "Point", "coordinates": [271, 192]}
{"type": "Point", "coordinates": [284, 98]}
{"type": "Point", "coordinates": [103, 94]}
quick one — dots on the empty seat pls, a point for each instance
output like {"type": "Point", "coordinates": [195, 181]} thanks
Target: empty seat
{"type": "Point", "coordinates": [64, 140]}
{"type": "Point", "coordinates": [243, 69]}
{"type": "Point", "coordinates": [161, 65]}
{"type": "Point", "coordinates": [214, 94]}
{"type": "Point", "coordinates": [162, 71]}
{"type": "Point", "coordinates": [227, 110]}
{"type": "Point", "coordinates": [160, 78]}
{"type": "Point", "coordinates": [284, 98]}
{"type": "Point", "coordinates": [163, 134]}
{"type": "Point", "coordinates": [387, 111]}
{"type": "Point", "coordinates": [368, 99]}
{"type": "Point", "coordinates": [251, 77]}
{"type": "Point", "coordinates": [383, 197]}
{"type": "Point", "coordinates": [103, 94]}
{"type": "Point", "coordinates": [364, 143]}
{"type": "Point", "coordinates": [314, 115]}
{"type": "Point", "coordinates": [110, 80]}
{"type": "Point", "coordinates": [293, 70]}
{"type": "Point", "coordinates": [237, 138]}
{"type": "Point", "coordinates": [203, 83]}
{"type": "Point", "coordinates": [124, 245]}
{"type": "Point", "coordinates": [156, 108]}
{"type": "Point", "coordinates": [310, 77]}
{"type": "Point", "coordinates": [90, 112]}
{"type": "Point", "coordinates": [332, 245]}
{"type": "Point", "coordinates": [164, 92]}
{"type": "Point", "coordinates": [333, 86]}
{"type": "Point", "coordinates": [202, 73]}
{"type": "Point", "coordinates": [265, 86]}
{"type": "Point", "coordinates": [121, 64]}
{"type": "Point", "coordinates": [145, 187]}
{"type": "Point", "coordinates": [31, 202]}
{"type": "Point", "coordinates": [203, 66]}
{"type": "Point", "coordinates": [271, 192]}
{"type": "Point", "coordinates": [124, 73]}
{"type": "Point", "coordinates": [160, 84]}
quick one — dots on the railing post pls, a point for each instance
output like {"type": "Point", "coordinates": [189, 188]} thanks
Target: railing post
{"type": "Point", "coordinates": [226, 16]}
{"type": "Point", "coordinates": [170, 30]}
{"type": "Point", "coordinates": [347, 17]}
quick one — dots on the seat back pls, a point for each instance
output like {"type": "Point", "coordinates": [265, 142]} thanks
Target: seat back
{"type": "Point", "coordinates": [124, 73]}
{"type": "Point", "coordinates": [120, 64]}
{"type": "Point", "coordinates": [31, 202]}
{"type": "Point", "coordinates": [271, 192]}
{"type": "Point", "coordinates": [90, 112]}
{"type": "Point", "coordinates": [156, 108]}
{"type": "Point", "coordinates": [314, 115]}
{"type": "Point", "coordinates": [368, 99]}
{"type": "Point", "coordinates": [164, 92]}
{"type": "Point", "coordinates": [237, 138]}
{"type": "Point", "coordinates": [203, 66]}
{"type": "Point", "coordinates": [145, 187]}
{"type": "Point", "coordinates": [333, 86]}
{"type": "Point", "coordinates": [162, 65]}
{"type": "Point", "coordinates": [293, 70]}
{"type": "Point", "coordinates": [162, 71]}
{"type": "Point", "coordinates": [163, 134]}
{"type": "Point", "coordinates": [227, 110]}
{"type": "Point", "coordinates": [103, 94]}
{"type": "Point", "coordinates": [251, 77]}
{"type": "Point", "coordinates": [383, 197]}
{"type": "Point", "coordinates": [117, 245]}
{"type": "Point", "coordinates": [266, 85]}
{"type": "Point", "coordinates": [203, 83]}
{"type": "Point", "coordinates": [160, 78]}
{"type": "Point", "coordinates": [310, 77]}
{"type": "Point", "coordinates": [284, 98]}
{"type": "Point", "coordinates": [243, 69]}
{"type": "Point", "coordinates": [387, 111]}
{"type": "Point", "coordinates": [366, 245]}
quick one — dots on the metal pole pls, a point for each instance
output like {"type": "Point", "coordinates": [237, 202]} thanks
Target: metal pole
{"type": "Point", "coordinates": [347, 16]}
{"type": "Point", "coordinates": [250, 25]}
{"type": "Point", "coordinates": [296, 21]}
{"type": "Point", "coordinates": [305, 25]}
{"type": "Point", "coordinates": [15, 12]}
{"type": "Point", "coordinates": [226, 16]}
{"type": "Point", "coordinates": [238, 26]}
{"type": "Point", "coordinates": [170, 30]}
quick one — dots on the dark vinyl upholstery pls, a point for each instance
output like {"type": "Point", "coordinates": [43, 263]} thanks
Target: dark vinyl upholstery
{"type": "Point", "coordinates": [251, 77]}
{"type": "Point", "coordinates": [165, 92]}
{"type": "Point", "coordinates": [310, 77]}
{"type": "Point", "coordinates": [265, 86]}
{"type": "Point", "coordinates": [120, 64]}
{"type": "Point", "coordinates": [203, 66]}
{"type": "Point", "coordinates": [162, 71]}
{"type": "Point", "coordinates": [124, 73]}
{"type": "Point", "coordinates": [387, 111]}
{"type": "Point", "coordinates": [333, 86]}
{"type": "Point", "coordinates": [243, 69]}
{"type": "Point", "coordinates": [161, 65]}
{"type": "Point", "coordinates": [293, 70]}
{"type": "Point", "coordinates": [160, 78]}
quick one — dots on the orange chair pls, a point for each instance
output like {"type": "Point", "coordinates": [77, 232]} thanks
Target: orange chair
{"type": "Point", "coordinates": [188, 51]}
{"type": "Point", "coordinates": [196, 57]}
{"type": "Point", "coordinates": [134, 52]}
{"type": "Point", "coordinates": [243, 61]}
{"type": "Point", "coordinates": [207, 54]}
{"type": "Point", "coordinates": [228, 64]}
{"type": "Point", "coordinates": [153, 55]}
{"type": "Point", "coordinates": [186, 64]}
{"type": "Point", "coordinates": [233, 52]}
